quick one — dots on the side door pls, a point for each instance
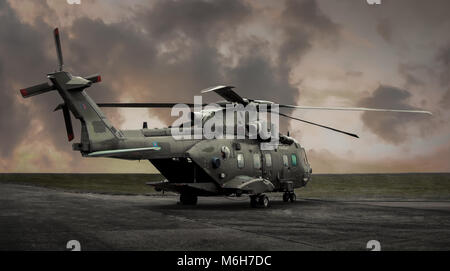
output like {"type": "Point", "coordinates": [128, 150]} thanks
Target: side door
{"type": "Point", "coordinates": [296, 166]}
{"type": "Point", "coordinates": [267, 165]}
{"type": "Point", "coordinates": [284, 170]}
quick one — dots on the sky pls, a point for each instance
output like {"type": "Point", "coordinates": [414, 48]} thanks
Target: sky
{"type": "Point", "coordinates": [307, 52]}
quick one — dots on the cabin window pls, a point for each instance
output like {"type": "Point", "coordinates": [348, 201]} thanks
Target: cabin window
{"type": "Point", "coordinates": [257, 160]}
{"type": "Point", "coordinates": [268, 159]}
{"type": "Point", "coordinates": [240, 160]}
{"type": "Point", "coordinates": [294, 160]}
{"type": "Point", "coordinates": [285, 160]}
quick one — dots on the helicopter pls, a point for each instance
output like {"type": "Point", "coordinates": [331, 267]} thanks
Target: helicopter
{"type": "Point", "coordinates": [192, 167]}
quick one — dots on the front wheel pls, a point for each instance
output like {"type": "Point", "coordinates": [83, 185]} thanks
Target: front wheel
{"type": "Point", "coordinates": [259, 201]}
{"type": "Point", "coordinates": [264, 201]}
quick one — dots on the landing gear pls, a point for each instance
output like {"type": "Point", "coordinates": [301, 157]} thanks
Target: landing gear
{"type": "Point", "coordinates": [289, 196]}
{"type": "Point", "coordinates": [259, 201]}
{"type": "Point", "coordinates": [292, 197]}
{"type": "Point", "coordinates": [188, 199]}
{"type": "Point", "coordinates": [263, 201]}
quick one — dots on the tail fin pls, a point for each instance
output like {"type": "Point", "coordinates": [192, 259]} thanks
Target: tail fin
{"type": "Point", "coordinates": [96, 131]}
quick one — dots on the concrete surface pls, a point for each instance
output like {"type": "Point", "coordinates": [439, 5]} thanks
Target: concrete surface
{"type": "Point", "coordinates": [34, 218]}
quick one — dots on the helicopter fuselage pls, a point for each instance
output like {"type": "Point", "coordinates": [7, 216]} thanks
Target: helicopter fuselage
{"type": "Point", "coordinates": [207, 166]}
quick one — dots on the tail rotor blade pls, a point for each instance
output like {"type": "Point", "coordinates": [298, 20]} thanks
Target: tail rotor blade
{"type": "Point", "coordinates": [36, 90]}
{"type": "Point", "coordinates": [68, 121]}
{"type": "Point", "coordinates": [58, 49]}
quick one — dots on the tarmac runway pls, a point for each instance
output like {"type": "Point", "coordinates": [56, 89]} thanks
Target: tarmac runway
{"type": "Point", "coordinates": [35, 218]}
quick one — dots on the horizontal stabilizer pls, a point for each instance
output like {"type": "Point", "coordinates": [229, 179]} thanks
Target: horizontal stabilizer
{"type": "Point", "coordinates": [36, 90]}
{"type": "Point", "coordinates": [96, 78]}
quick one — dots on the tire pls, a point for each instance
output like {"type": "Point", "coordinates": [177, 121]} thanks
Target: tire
{"type": "Point", "coordinates": [292, 197]}
{"type": "Point", "coordinates": [285, 197]}
{"type": "Point", "coordinates": [263, 201]}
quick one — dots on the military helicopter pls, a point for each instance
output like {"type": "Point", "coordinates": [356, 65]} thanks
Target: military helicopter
{"type": "Point", "coordinates": [192, 167]}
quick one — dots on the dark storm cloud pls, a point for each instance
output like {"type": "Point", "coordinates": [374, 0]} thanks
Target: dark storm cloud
{"type": "Point", "coordinates": [412, 73]}
{"type": "Point", "coordinates": [26, 50]}
{"type": "Point", "coordinates": [354, 73]}
{"type": "Point", "coordinates": [17, 59]}
{"type": "Point", "coordinates": [384, 29]}
{"type": "Point", "coordinates": [136, 57]}
{"type": "Point", "coordinates": [390, 127]}
{"type": "Point", "coordinates": [443, 59]}
{"type": "Point", "coordinates": [198, 20]}
{"type": "Point", "coordinates": [27, 54]}
{"type": "Point", "coordinates": [445, 102]}
{"type": "Point", "coordinates": [174, 52]}
{"type": "Point", "coordinates": [302, 22]}
{"type": "Point", "coordinates": [168, 52]}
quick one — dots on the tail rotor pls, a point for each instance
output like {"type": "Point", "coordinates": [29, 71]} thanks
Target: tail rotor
{"type": "Point", "coordinates": [66, 84]}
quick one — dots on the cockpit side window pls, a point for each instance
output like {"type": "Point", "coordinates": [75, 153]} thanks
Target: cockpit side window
{"type": "Point", "coordinates": [294, 160]}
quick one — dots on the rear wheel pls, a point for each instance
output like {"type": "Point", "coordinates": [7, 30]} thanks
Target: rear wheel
{"type": "Point", "coordinates": [188, 199]}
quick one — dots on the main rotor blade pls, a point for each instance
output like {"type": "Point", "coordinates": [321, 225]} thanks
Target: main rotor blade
{"type": "Point", "coordinates": [143, 105]}
{"type": "Point", "coordinates": [58, 49]}
{"type": "Point", "coordinates": [354, 109]}
{"type": "Point", "coordinates": [316, 124]}
{"type": "Point", "coordinates": [227, 93]}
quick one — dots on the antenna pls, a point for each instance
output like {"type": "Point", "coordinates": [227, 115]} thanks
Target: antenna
{"type": "Point", "coordinates": [58, 49]}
